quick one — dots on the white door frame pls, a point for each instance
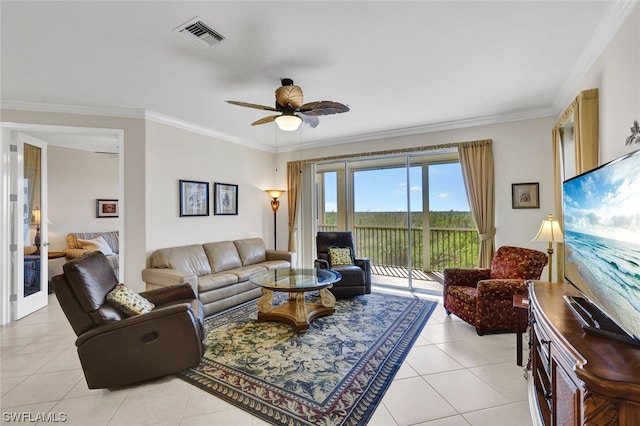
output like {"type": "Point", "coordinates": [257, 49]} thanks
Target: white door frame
{"type": "Point", "coordinates": [25, 305]}
{"type": "Point", "coordinates": [9, 131]}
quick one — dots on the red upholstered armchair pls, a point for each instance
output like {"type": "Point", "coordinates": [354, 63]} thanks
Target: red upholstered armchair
{"type": "Point", "coordinates": [484, 297]}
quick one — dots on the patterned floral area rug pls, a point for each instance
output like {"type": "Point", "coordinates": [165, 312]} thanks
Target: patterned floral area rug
{"type": "Point", "coordinates": [334, 374]}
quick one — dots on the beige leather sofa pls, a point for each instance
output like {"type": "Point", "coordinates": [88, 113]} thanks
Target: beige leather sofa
{"type": "Point", "coordinates": [218, 272]}
{"type": "Point", "coordinates": [81, 243]}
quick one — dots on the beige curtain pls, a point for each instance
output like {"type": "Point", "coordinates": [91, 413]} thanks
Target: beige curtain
{"type": "Point", "coordinates": [294, 185]}
{"type": "Point", "coordinates": [584, 111]}
{"type": "Point", "coordinates": [587, 128]}
{"type": "Point", "coordinates": [476, 161]}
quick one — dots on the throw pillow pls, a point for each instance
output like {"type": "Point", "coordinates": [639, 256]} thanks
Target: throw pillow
{"type": "Point", "coordinates": [340, 256]}
{"type": "Point", "coordinates": [128, 301]}
{"type": "Point", "coordinates": [96, 244]}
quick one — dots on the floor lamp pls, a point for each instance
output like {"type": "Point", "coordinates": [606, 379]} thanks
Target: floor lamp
{"type": "Point", "coordinates": [550, 232]}
{"type": "Point", "coordinates": [275, 194]}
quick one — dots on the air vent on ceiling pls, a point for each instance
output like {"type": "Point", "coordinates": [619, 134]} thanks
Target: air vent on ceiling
{"type": "Point", "coordinates": [200, 33]}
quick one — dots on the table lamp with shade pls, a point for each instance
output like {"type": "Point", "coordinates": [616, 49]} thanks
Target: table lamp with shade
{"type": "Point", "coordinates": [550, 232]}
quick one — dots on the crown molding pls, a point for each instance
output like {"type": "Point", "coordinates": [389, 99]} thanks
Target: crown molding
{"type": "Point", "coordinates": [138, 113]}
{"type": "Point", "coordinates": [73, 109]}
{"type": "Point", "coordinates": [185, 125]}
{"type": "Point", "coordinates": [600, 39]}
{"type": "Point", "coordinates": [429, 128]}
{"type": "Point", "coordinates": [364, 137]}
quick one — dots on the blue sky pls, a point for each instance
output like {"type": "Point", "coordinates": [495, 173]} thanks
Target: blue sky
{"type": "Point", "coordinates": [386, 190]}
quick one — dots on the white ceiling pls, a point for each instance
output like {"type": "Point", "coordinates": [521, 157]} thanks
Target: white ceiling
{"type": "Point", "coordinates": [402, 67]}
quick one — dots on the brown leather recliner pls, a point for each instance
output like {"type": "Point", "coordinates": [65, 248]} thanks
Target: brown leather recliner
{"type": "Point", "coordinates": [116, 349]}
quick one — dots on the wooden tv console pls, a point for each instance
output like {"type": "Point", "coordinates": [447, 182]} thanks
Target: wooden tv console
{"type": "Point", "coordinates": [577, 378]}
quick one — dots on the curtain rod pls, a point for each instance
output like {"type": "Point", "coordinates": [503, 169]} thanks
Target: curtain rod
{"type": "Point", "coordinates": [394, 151]}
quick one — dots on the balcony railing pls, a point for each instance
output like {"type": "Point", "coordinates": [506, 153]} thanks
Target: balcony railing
{"type": "Point", "coordinates": [388, 245]}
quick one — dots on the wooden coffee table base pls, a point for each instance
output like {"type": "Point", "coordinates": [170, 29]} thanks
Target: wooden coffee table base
{"type": "Point", "coordinates": [295, 311]}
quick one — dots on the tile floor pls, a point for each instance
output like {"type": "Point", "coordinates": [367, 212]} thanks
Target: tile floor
{"type": "Point", "coordinates": [451, 377]}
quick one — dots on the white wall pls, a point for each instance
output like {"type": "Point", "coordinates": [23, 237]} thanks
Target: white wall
{"type": "Point", "coordinates": [616, 73]}
{"type": "Point", "coordinates": [173, 154]}
{"type": "Point", "coordinates": [76, 179]}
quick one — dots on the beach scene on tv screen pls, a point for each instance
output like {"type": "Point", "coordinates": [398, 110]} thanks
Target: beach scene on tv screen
{"type": "Point", "coordinates": [602, 238]}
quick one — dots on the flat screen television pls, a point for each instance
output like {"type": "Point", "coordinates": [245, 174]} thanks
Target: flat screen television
{"type": "Point", "coordinates": [601, 221]}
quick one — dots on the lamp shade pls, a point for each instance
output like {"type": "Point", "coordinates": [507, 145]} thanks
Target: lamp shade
{"type": "Point", "coordinates": [288, 122]}
{"type": "Point", "coordinates": [550, 231]}
{"type": "Point", "coordinates": [274, 193]}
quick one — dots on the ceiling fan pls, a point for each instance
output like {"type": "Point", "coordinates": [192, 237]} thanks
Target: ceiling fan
{"type": "Point", "coordinates": [292, 110]}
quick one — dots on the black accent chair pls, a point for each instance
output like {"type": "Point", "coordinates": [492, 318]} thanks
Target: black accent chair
{"type": "Point", "coordinates": [116, 349]}
{"type": "Point", "coordinates": [356, 278]}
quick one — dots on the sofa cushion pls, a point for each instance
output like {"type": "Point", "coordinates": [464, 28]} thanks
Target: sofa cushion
{"type": "Point", "coordinates": [243, 273]}
{"type": "Point", "coordinates": [190, 259]}
{"type": "Point", "coordinates": [222, 256]}
{"type": "Point", "coordinates": [275, 264]}
{"type": "Point", "coordinates": [351, 275]}
{"type": "Point", "coordinates": [128, 301]}
{"type": "Point", "coordinates": [111, 237]}
{"type": "Point", "coordinates": [467, 295]}
{"type": "Point", "coordinates": [340, 256]}
{"type": "Point", "coordinates": [96, 244]}
{"type": "Point", "coordinates": [251, 250]}
{"type": "Point", "coordinates": [214, 281]}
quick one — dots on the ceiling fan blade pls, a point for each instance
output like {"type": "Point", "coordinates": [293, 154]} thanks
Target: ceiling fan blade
{"type": "Point", "coordinates": [323, 108]}
{"type": "Point", "coordinates": [249, 105]}
{"type": "Point", "coordinates": [310, 120]}
{"type": "Point", "coordinates": [265, 120]}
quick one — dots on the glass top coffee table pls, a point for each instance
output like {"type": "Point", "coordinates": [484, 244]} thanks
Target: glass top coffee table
{"type": "Point", "coordinates": [295, 311]}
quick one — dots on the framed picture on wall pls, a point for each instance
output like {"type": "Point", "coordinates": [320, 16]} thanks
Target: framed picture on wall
{"type": "Point", "coordinates": [107, 208]}
{"type": "Point", "coordinates": [525, 195]}
{"type": "Point", "coordinates": [194, 198]}
{"type": "Point", "coordinates": [225, 199]}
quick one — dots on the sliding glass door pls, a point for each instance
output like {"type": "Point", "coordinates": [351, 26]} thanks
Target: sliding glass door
{"type": "Point", "coordinates": [380, 217]}
{"type": "Point", "coordinates": [406, 213]}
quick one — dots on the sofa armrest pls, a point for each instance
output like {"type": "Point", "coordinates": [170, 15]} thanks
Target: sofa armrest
{"type": "Point", "coordinates": [169, 277]}
{"type": "Point", "coordinates": [74, 253]}
{"type": "Point", "coordinates": [365, 264]}
{"type": "Point", "coordinates": [289, 256]}
{"type": "Point", "coordinates": [121, 326]}
{"type": "Point", "coordinates": [321, 263]}
{"type": "Point", "coordinates": [467, 277]}
{"type": "Point", "coordinates": [164, 295]}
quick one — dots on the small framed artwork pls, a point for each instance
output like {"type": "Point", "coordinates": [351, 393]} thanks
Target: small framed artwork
{"type": "Point", "coordinates": [525, 195]}
{"type": "Point", "coordinates": [194, 198]}
{"type": "Point", "coordinates": [107, 208]}
{"type": "Point", "coordinates": [225, 199]}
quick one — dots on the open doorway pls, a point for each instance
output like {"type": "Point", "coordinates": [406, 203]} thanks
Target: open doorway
{"type": "Point", "coordinates": [77, 156]}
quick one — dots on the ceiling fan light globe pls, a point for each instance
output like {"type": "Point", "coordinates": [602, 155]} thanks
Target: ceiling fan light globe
{"type": "Point", "coordinates": [288, 123]}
